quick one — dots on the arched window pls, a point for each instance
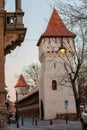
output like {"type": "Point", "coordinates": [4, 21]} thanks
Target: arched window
{"type": "Point", "coordinates": [54, 85]}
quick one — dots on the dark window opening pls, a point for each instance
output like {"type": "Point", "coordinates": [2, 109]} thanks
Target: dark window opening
{"type": "Point", "coordinates": [8, 20]}
{"type": "Point", "coordinates": [11, 20]}
{"type": "Point", "coordinates": [54, 85]}
{"type": "Point", "coordinates": [54, 65]}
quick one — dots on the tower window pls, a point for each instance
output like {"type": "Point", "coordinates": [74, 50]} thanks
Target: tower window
{"type": "Point", "coordinates": [54, 85]}
{"type": "Point", "coordinates": [54, 65]}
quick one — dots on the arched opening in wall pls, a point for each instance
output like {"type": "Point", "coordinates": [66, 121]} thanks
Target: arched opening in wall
{"type": "Point", "coordinates": [54, 85]}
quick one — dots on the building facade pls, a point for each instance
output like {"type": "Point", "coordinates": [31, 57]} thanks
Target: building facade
{"type": "Point", "coordinates": [55, 94]}
{"type": "Point", "coordinates": [12, 33]}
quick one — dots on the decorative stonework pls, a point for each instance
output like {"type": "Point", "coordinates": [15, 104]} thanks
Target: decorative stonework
{"type": "Point", "coordinates": [10, 30]}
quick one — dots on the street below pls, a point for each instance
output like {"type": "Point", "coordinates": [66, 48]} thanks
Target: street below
{"type": "Point", "coordinates": [37, 124]}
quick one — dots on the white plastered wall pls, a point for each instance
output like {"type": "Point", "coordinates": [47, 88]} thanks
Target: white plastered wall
{"type": "Point", "coordinates": [53, 100]}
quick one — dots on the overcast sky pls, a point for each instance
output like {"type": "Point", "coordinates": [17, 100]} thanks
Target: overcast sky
{"type": "Point", "coordinates": [37, 14]}
{"type": "Point", "coordinates": [35, 20]}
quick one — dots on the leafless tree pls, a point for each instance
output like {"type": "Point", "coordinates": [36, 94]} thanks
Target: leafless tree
{"type": "Point", "coordinates": [75, 17]}
{"type": "Point", "coordinates": [32, 73]}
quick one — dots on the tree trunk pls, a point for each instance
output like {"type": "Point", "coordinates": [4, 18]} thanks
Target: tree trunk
{"type": "Point", "coordinates": [77, 107]}
{"type": "Point", "coordinates": [77, 101]}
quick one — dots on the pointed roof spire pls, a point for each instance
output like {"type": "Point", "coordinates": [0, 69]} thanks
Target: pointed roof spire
{"type": "Point", "coordinates": [21, 82]}
{"type": "Point", "coordinates": [56, 28]}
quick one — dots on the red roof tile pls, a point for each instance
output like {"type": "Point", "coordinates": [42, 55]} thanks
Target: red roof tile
{"type": "Point", "coordinates": [21, 82]}
{"type": "Point", "coordinates": [56, 28]}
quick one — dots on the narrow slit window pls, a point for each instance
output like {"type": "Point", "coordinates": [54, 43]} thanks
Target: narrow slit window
{"type": "Point", "coordinates": [54, 65]}
{"type": "Point", "coordinates": [54, 85]}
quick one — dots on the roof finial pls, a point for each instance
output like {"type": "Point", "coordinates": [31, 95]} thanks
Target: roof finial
{"type": "Point", "coordinates": [54, 7]}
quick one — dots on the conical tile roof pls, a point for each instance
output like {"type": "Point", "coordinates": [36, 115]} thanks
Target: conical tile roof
{"type": "Point", "coordinates": [21, 82]}
{"type": "Point", "coordinates": [56, 28]}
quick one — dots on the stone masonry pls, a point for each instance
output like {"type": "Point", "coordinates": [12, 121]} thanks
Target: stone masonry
{"type": "Point", "coordinates": [12, 33]}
